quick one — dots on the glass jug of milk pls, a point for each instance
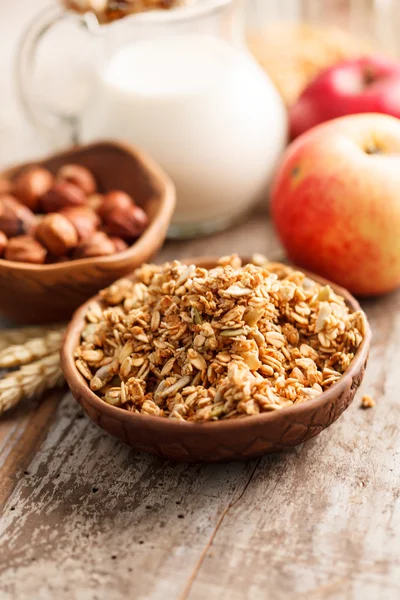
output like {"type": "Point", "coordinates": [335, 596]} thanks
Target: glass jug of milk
{"type": "Point", "coordinates": [181, 85]}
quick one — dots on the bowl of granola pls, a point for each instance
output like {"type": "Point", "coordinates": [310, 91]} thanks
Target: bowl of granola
{"type": "Point", "coordinates": [211, 360]}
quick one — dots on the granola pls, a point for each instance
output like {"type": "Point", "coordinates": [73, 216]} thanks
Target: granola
{"type": "Point", "coordinates": [193, 344]}
{"type": "Point", "coordinates": [367, 402]}
{"type": "Point", "coordinates": [112, 10]}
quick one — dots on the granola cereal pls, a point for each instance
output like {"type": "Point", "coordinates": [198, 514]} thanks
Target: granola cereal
{"type": "Point", "coordinates": [193, 344]}
{"type": "Point", "coordinates": [112, 10]}
{"type": "Point", "coordinates": [367, 402]}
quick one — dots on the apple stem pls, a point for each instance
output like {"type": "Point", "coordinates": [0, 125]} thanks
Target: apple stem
{"type": "Point", "coordinates": [368, 76]}
{"type": "Point", "coordinates": [373, 149]}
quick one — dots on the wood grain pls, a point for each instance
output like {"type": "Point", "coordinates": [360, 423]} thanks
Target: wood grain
{"type": "Point", "coordinates": [21, 433]}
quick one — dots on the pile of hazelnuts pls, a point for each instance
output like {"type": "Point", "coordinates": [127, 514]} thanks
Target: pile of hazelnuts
{"type": "Point", "coordinates": [50, 219]}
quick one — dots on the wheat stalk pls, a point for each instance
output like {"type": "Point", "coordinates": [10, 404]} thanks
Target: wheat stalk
{"type": "Point", "coordinates": [31, 350]}
{"type": "Point", "coordinates": [30, 381]}
{"type": "Point", "coordinates": [10, 337]}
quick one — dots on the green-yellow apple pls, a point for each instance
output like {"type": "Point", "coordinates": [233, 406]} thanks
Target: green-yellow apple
{"type": "Point", "coordinates": [336, 202]}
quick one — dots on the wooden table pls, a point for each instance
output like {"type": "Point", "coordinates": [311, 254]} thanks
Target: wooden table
{"type": "Point", "coordinates": [86, 518]}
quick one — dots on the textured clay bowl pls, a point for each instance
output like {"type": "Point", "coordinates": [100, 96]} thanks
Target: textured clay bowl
{"type": "Point", "coordinates": [48, 293]}
{"type": "Point", "coordinates": [220, 440]}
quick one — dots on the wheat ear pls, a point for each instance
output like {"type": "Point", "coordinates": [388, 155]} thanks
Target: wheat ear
{"type": "Point", "coordinates": [11, 337]}
{"type": "Point", "coordinates": [30, 381]}
{"type": "Point", "coordinates": [31, 350]}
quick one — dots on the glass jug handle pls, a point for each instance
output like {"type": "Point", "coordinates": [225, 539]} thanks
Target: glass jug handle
{"type": "Point", "coordinates": [38, 114]}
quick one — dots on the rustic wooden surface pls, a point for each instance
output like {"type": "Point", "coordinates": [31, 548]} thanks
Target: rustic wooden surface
{"type": "Point", "coordinates": [86, 518]}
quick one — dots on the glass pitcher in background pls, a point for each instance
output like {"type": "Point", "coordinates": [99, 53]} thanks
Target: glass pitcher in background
{"type": "Point", "coordinates": [181, 85]}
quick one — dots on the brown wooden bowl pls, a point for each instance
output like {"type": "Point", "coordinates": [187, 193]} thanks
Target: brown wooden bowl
{"type": "Point", "coordinates": [218, 440]}
{"type": "Point", "coordinates": [47, 293]}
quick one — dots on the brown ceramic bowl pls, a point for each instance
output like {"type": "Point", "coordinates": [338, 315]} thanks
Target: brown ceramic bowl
{"type": "Point", "coordinates": [47, 293]}
{"type": "Point", "coordinates": [220, 440]}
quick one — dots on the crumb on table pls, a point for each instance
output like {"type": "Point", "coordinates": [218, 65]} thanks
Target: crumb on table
{"type": "Point", "coordinates": [367, 402]}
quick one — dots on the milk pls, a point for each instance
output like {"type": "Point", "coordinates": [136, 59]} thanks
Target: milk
{"type": "Point", "coordinates": [204, 110]}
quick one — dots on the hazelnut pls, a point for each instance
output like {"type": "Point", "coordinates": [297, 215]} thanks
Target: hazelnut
{"type": "Point", "coordinates": [119, 244]}
{"type": "Point", "coordinates": [25, 249]}
{"type": "Point", "coordinates": [57, 234]}
{"type": "Point", "coordinates": [5, 186]}
{"type": "Point", "coordinates": [98, 245]}
{"type": "Point", "coordinates": [79, 176]}
{"type": "Point", "coordinates": [3, 242]}
{"type": "Point", "coordinates": [114, 201]}
{"type": "Point", "coordinates": [15, 218]}
{"type": "Point", "coordinates": [83, 218]}
{"type": "Point", "coordinates": [60, 195]}
{"type": "Point", "coordinates": [31, 185]}
{"type": "Point", "coordinates": [128, 223]}
{"type": "Point", "coordinates": [95, 201]}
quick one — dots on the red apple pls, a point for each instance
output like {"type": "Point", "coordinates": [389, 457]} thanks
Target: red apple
{"type": "Point", "coordinates": [370, 84]}
{"type": "Point", "coordinates": [336, 202]}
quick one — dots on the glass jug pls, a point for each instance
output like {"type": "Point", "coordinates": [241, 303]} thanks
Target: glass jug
{"type": "Point", "coordinates": [181, 85]}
